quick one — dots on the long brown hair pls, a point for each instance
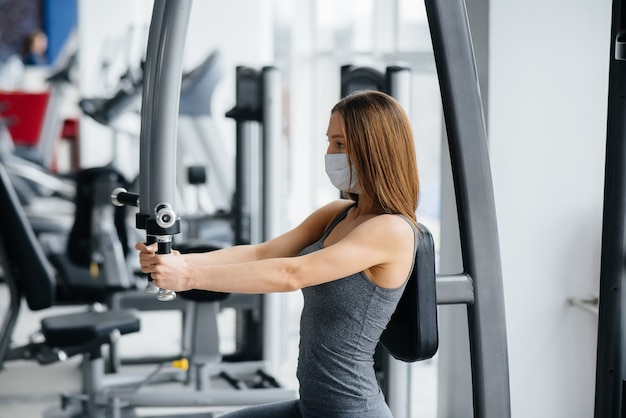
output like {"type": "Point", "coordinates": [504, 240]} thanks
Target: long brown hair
{"type": "Point", "coordinates": [380, 147]}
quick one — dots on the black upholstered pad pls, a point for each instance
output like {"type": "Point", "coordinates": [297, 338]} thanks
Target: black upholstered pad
{"type": "Point", "coordinates": [412, 334]}
{"type": "Point", "coordinates": [81, 328]}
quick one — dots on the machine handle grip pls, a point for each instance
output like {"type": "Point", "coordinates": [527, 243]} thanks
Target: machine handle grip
{"type": "Point", "coordinates": [121, 197]}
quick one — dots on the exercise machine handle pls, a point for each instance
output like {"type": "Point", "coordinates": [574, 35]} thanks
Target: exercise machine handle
{"type": "Point", "coordinates": [121, 197]}
{"type": "Point", "coordinates": [165, 218]}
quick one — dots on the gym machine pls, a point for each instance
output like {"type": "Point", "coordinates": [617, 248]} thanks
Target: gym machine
{"type": "Point", "coordinates": [157, 215]}
{"type": "Point", "coordinates": [611, 363]}
{"type": "Point", "coordinates": [480, 286]}
{"type": "Point", "coordinates": [259, 198]}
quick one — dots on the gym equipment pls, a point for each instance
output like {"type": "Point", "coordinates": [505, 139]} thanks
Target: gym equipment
{"type": "Point", "coordinates": [611, 361]}
{"type": "Point", "coordinates": [45, 135]}
{"type": "Point", "coordinates": [30, 277]}
{"type": "Point", "coordinates": [199, 141]}
{"type": "Point", "coordinates": [162, 80]}
{"type": "Point", "coordinates": [411, 334]}
{"type": "Point", "coordinates": [255, 215]}
{"type": "Point", "coordinates": [33, 180]}
{"type": "Point", "coordinates": [31, 159]}
{"type": "Point", "coordinates": [259, 196]}
{"type": "Point", "coordinates": [31, 163]}
{"type": "Point", "coordinates": [395, 81]}
{"type": "Point", "coordinates": [480, 285]}
{"type": "Point", "coordinates": [107, 110]}
{"type": "Point", "coordinates": [45, 280]}
{"type": "Point", "coordinates": [159, 219]}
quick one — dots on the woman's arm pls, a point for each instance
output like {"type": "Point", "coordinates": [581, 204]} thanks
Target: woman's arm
{"type": "Point", "coordinates": [382, 246]}
{"type": "Point", "coordinates": [288, 244]}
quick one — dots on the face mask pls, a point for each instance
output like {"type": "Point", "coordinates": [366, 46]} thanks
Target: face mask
{"type": "Point", "coordinates": [339, 172]}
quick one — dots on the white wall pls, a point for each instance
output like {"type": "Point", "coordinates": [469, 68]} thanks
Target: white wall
{"type": "Point", "coordinates": [547, 126]}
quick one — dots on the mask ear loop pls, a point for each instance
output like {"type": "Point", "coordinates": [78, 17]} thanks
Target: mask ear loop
{"type": "Point", "coordinates": [353, 173]}
{"type": "Point", "coordinates": [353, 169]}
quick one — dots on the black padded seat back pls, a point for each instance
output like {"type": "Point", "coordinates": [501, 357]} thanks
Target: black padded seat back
{"type": "Point", "coordinates": [34, 276]}
{"type": "Point", "coordinates": [79, 242]}
{"type": "Point", "coordinates": [77, 286]}
{"type": "Point", "coordinates": [412, 334]}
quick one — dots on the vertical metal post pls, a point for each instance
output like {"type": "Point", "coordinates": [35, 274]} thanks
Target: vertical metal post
{"type": "Point", "coordinates": [247, 110]}
{"type": "Point", "coordinates": [397, 373]}
{"type": "Point", "coordinates": [274, 204]}
{"type": "Point", "coordinates": [247, 207]}
{"type": "Point", "coordinates": [467, 141]}
{"type": "Point", "coordinates": [273, 155]}
{"type": "Point", "coordinates": [241, 204]}
{"type": "Point", "coordinates": [610, 373]}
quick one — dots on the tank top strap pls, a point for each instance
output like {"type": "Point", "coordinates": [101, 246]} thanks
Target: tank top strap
{"type": "Point", "coordinates": [338, 219]}
{"type": "Point", "coordinates": [415, 232]}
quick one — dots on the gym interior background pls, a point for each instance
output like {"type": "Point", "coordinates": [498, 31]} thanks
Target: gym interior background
{"type": "Point", "coordinates": [543, 70]}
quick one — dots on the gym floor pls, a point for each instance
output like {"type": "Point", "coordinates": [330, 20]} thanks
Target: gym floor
{"type": "Point", "coordinates": [29, 390]}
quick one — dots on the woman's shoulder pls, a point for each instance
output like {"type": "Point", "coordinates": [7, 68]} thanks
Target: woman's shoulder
{"type": "Point", "coordinates": [390, 230]}
{"type": "Point", "coordinates": [393, 222]}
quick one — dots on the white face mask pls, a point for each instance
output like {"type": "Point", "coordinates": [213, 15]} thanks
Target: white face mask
{"type": "Point", "coordinates": [339, 173]}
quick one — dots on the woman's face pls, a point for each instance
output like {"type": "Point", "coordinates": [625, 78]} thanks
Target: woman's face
{"type": "Point", "coordinates": [40, 43]}
{"type": "Point", "coordinates": [336, 139]}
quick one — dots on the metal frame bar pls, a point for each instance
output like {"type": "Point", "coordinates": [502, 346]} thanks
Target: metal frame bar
{"type": "Point", "coordinates": [273, 202]}
{"type": "Point", "coordinates": [164, 121]}
{"type": "Point", "coordinates": [246, 114]}
{"type": "Point", "coordinates": [147, 106]}
{"type": "Point", "coordinates": [467, 141]}
{"type": "Point", "coordinates": [454, 289]}
{"type": "Point", "coordinates": [610, 373]}
{"type": "Point", "coordinates": [398, 81]}
{"type": "Point", "coordinates": [159, 126]}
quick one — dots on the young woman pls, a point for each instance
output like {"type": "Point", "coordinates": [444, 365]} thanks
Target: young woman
{"type": "Point", "coordinates": [351, 258]}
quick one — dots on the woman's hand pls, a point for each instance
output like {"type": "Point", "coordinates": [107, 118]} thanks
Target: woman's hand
{"type": "Point", "coordinates": [168, 271]}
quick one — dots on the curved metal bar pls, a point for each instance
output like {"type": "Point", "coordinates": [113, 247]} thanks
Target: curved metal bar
{"type": "Point", "coordinates": [168, 75]}
{"type": "Point", "coordinates": [159, 124]}
{"type": "Point", "coordinates": [147, 106]}
{"type": "Point", "coordinates": [162, 170]}
{"type": "Point", "coordinates": [467, 140]}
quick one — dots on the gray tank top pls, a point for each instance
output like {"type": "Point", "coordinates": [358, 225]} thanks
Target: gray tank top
{"type": "Point", "coordinates": [340, 326]}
